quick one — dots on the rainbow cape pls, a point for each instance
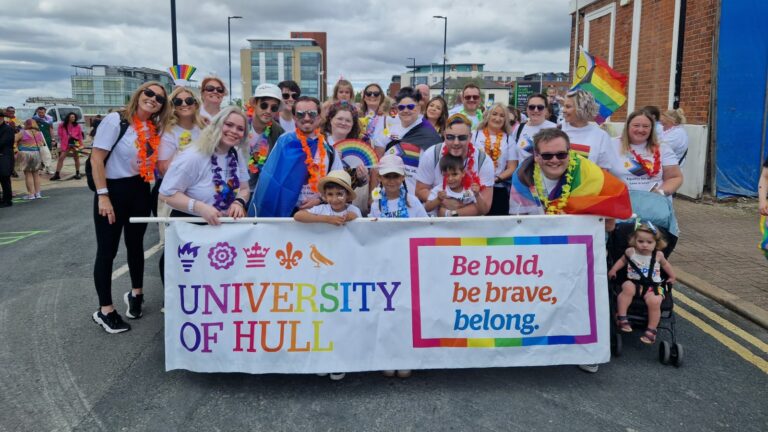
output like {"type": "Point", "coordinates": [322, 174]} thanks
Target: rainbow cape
{"type": "Point", "coordinates": [764, 234]}
{"type": "Point", "coordinates": [607, 86]}
{"type": "Point", "coordinates": [593, 191]}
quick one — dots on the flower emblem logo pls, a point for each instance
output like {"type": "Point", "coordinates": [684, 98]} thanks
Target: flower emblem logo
{"type": "Point", "coordinates": [222, 256]}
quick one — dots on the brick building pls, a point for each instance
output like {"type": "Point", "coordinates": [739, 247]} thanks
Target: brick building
{"type": "Point", "coordinates": [683, 53]}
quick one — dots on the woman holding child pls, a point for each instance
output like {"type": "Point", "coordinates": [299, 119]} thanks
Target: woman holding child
{"type": "Point", "coordinates": [477, 170]}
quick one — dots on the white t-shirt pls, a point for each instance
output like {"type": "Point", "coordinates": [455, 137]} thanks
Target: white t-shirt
{"type": "Point", "coordinates": [204, 114]}
{"type": "Point", "coordinates": [478, 139]}
{"type": "Point", "coordinates": [676, 139]}
{"type": "Point", "coordinates": [524, 146]}
{"type": "Point", "coordinates": [429, 169]}
{"type": "Point", "coordinates": [175, 139]}
{"type": "Point", "coordinates": [593, 143]}
{"type": "Point", "coordinates": [632, 173]}
{"type": "Point", "coordinates": [123, 161]}
{"type": "Point", "coordinates": [287, 125]}
{"type": "Point", "coordinates": [415, 208]}
{"type": "Point", "coordinates": [389, 128]}
{"type": "Point", "coordinates": [191, 173]}
{"type": "Point", "coordinates": [465, 197]}
{"type": "Point", "coordinates": [306, 190]}
{"type": "Point", "coordinates": [326, 210]}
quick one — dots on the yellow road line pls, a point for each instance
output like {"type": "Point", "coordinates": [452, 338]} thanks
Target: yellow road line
{"type": "Point", "coordinates": [725, 340]}
{"type": "Point", "coordinates": [757, 343]}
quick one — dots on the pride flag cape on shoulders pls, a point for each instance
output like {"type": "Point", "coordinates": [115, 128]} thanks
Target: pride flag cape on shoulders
{"type": "Point", "coordinates": [593, 192]}
{"type": "Point", "coordinates": [281, 178]}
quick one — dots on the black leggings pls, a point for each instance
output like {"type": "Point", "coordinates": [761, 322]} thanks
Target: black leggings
{"type": "Point", "coordinates": [5, 183]}
{"type": "Point", "coordinates": [500, 203]}
{"type": "Point", "coordinates": [130, 197]}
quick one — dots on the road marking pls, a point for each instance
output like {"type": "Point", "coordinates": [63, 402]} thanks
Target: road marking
{"type": "Point", "coordinates": [757, 343]}
{"type": "Point", "coordinates": [147, 253]}
{"type": "Point", "coordinates": [723, 339]}
{"type": "Point", "coordinates": [11, 237]}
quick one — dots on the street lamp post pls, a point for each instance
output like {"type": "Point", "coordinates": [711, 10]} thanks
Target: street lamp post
{"type": "Point", "coordinates": [229, 52]}
{"type": "Point", "coordinates": [413, 72]}
{"type": "Point", "coordinates": [445, 45]}
{"type": "Point", "coordinates": [173, 33]}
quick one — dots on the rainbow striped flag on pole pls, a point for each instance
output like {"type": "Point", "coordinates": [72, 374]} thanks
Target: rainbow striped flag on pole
{"type": "Point", "coordinates": [607, 86]}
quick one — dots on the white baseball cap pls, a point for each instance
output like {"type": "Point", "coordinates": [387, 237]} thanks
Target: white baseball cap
{"type": "Point", "coordinates": [267, 90]}
{"type": "Point", "coordinates": [391, 164]}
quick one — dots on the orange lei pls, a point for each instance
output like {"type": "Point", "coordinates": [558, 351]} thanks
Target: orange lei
{"type": "Point", "coordinates": [313, 169]}
{"type": "Point", "coordinates": [495, 151]}
{"type": "Point", "coordinates": [147, 162]}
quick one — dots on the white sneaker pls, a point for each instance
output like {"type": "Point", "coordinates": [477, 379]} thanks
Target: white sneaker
{"type": "Point", "coordinates": [388, 373]}
{"type": "Point", "coordinates": [336, 376]}
{"type": "Point", "coordinates": [404, 373]}
{"type": "Point", "coordinates": [591, 368]}
{"type": "Point", "coordinates": [38, 195]}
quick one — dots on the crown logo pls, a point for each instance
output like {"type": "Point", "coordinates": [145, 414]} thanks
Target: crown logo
{"type": "Point", "coordinates": [187, 254]}
{"type": "Point", "coordinates": [255, 256]}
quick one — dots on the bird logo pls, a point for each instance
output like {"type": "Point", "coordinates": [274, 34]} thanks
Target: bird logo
{"type": "Point", "coordinates": [318, 258]}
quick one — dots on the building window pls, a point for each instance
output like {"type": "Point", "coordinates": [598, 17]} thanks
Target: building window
{"type": "Point", "coordinates": [310, 65]}
{"type": "Point", "coordinates": [271, 66]}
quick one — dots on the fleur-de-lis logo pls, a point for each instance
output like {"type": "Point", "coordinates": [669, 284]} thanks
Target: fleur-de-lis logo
{"type": "Point", "coordinates": [288, 257]}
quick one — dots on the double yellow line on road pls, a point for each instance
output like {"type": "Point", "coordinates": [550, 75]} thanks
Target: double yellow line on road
{"type": "Point", "coordinates": [729, 342]}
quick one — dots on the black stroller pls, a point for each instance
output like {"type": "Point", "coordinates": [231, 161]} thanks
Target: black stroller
{"type": "Point", "coordinates": [657, 209]}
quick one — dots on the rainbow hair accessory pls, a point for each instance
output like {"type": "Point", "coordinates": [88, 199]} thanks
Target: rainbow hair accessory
{"type": "Point", "coordinates": [181, 74]}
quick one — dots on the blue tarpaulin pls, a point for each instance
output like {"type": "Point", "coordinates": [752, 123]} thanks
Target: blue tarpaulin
{"type": "Point", "coordinates": [742, 66]}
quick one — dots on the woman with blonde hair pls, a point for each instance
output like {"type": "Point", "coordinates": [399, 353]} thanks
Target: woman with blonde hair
{"type": "Point", "coordinates": [210, 178]}
{"type": "Point", "coordinates": [645, 164]}
{"type": "Point", "coordinates": [123, 161]}
{"type": "Point", "coordinates": [371, 112]}
{"type": "Point", "coordinates": [29, 141]}
{"type": "Point", "coordinates": [342, 92]}
{"type": "Point", "coordinates": [673, 134]}
{"type": "Point", "coordinates": [492, 136]}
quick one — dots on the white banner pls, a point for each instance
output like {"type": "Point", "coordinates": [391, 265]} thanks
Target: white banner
{"type": "Point", "coordinates": [288, 297]}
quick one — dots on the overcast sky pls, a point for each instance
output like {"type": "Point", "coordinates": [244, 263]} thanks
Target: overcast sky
{"type": "Point", "coordinates": [368, 40]}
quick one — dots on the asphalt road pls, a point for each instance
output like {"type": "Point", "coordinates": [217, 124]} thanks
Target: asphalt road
{"type": "Point", "coordinates": [60, 371]}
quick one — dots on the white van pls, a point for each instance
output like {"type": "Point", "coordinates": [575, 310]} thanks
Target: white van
{"type": "Point", "coordinates": [57, 112]}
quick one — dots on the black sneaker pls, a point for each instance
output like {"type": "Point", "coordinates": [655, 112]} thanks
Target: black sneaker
{"type": "Point", "coordinates": [55, 177]}
{"type": "Point", "coordinates": [134, 305]}
{"type": "Point", "coordinates": [78, 176]}
{"type": "Point", "coordinates": [112, 322]}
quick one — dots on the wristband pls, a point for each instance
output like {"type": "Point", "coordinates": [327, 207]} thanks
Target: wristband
{"type": "Point", "coordinates": [240, 201]}
{"type": "Point", "coordinates": [661, 192]}
{"type": "Point", "coordinates": [191, 205]}
{"type": "Point", "coordinates": [102, 191]}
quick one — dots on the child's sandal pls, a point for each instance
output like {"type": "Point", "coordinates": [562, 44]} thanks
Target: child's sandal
{"type": "Point", "coordinates": [623, 323]}
{"type": "Point", "coordinates": [649, 338]}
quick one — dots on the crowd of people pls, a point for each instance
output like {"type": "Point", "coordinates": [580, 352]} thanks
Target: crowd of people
{"type": "Point", "coordinates": [181, 154]}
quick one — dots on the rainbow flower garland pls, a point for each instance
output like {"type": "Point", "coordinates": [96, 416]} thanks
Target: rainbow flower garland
{"type": "Point", "coordinates": [549, 205]}
{"type": "Point", "coordinates": [258, 158]}
{"type": "Point", "coordinates": [650, 169]}
{"type": "Point", "coordinates": [495, 151]}
{"type": "Point", "coordinates": [225, 193]}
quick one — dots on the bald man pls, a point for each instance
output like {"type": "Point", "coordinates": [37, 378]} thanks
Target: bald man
{"type": "Point", "coordinates": [424, 90]}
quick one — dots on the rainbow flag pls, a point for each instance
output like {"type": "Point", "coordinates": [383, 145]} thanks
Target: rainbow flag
{"type": "Point", "coordinates": [410, 153]}
{"type": "Point", "coordinates": [593, 191]}
{"type": "Point", "coordinates": [607, 86]}
{"type": "Point", "coordinates": [181, 74]}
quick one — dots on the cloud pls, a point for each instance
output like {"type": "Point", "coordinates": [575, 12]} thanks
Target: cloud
{"type": "Point", "coordinates": [368, 40]}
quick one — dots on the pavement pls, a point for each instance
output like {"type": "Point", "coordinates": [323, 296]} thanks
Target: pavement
{"type": "Point", "coordinates": [716, 254]}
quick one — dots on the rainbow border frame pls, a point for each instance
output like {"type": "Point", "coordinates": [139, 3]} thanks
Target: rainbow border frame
{"type": "Point", "coordinates": [420, 342]}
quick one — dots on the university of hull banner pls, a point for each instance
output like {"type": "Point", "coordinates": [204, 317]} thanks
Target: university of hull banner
{"type": "Point", "coordinates": [287, 297]}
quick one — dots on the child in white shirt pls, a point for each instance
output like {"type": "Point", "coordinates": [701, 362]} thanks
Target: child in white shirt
{"type": "Point", "coordinates": [452, 169]}
{"type": "Point", "coordinates": [337, 193]}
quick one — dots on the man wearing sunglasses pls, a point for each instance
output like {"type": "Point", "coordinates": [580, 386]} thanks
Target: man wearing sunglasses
{"type": "Point", "coordinates": [266, 103]}
{"type": "Point", "coordinates": [285, 182]}
{"type": "Point", "coordinates": [290, 92]}
{"type": "Point", "coordinates": [471, 99]}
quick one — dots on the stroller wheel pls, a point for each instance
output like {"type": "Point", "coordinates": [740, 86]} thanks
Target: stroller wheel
{"type": "Point", "coordinates": [616, 344]}
{"type": "Point", "coordinates": [677, 355]}
{"type": "Point", "coordinates": [664, 352]}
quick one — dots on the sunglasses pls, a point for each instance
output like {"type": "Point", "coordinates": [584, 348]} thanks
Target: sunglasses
{"type": "Point", "coordinates": [409, 107]}
{"type": "Point", "coordinates": [536, 107]}
{"type": "Point", "coordinates": [158, 97]}
{"type": "Point", "coordinates": [311, 113]}
{"type": "Point", "coordinates": [188, 101]}
{"type": "Point", "coordinates": [372, 94]}
{"type": "Point", "coordinates": [293, 96]}
{"type": "Point", "coordinates": [472, 97]}
{"type": "Point", "coordinates": [558, 155]}
{"type": "Point", "coordinates": [272, 107]}
{"type": "Point", "coordinates": [462, 138]}
{"type": "Point", "coordinates": [210, 88]}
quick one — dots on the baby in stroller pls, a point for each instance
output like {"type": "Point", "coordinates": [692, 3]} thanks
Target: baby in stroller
{"type": "Point", "coordinates": [643, 259]}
